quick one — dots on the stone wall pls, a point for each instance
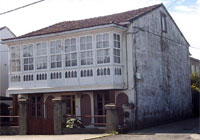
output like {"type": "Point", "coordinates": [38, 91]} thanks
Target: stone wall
{"type": "Point", "coordinates": [162, 70]}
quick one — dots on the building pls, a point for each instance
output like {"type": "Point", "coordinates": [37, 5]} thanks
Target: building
{"type": "Point", "coordinates": [195, 65]}
{"type": "Point", "coordinates": [137, 59]}
{"type": "Point", "coordinates": [5, 32]}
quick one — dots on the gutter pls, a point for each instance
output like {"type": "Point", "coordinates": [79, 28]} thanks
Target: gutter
{"type": "Point", "coordinates": [63, 33]}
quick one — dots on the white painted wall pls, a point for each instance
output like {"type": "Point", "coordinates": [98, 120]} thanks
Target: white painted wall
{"type": "Point", "coordinates": [4, 33]}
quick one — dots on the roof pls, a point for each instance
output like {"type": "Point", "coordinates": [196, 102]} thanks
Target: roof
{"type": "Point", "coordinates": [91, 22]}
{"type": "Point", "coordinates": [5, 27]}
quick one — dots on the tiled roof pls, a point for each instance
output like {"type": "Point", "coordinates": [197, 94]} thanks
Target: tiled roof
{"type": "Point", "coordinates": [91, 22]}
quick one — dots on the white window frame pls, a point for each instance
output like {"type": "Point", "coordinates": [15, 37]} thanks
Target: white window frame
{"type": "Point", "coordinates": [41, 56]}
{"type": "Point", "coordinates": [71, 52]}
{"type": "Point", "coordinates": [13, 60]}
{"type": "Point", "coordinates": [103, 57]}
{"type": "Point", "coordinates": [28, 58]}
{"type": "Point", "coordinates": [87, 52]}
{"type": "Point", "coordinates": [55, 55]}
{"type": "Point", "coordinates": [117, 48]}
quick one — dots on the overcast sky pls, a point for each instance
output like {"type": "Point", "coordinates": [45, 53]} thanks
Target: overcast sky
{"type": "Point", "coordinates": [186, 14]}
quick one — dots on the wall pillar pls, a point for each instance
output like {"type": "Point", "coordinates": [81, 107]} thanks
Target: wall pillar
{"type": "Point", "coordinates": [112, 118]}
{"type": "Point", "coordinates": [57, 115]}
{"type": "Point", "coordinates": [23, 112]}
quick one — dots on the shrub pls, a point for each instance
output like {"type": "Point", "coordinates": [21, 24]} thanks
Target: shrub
{"type": "Point", "coordinates": [74, 123]}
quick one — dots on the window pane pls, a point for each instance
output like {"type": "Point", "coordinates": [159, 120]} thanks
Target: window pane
{"type": "Point", "coordinates": [105, 37]}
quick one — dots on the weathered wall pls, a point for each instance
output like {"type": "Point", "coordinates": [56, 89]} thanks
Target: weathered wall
{"type": "Point", "coordinates": [163, 92]}
{"type": "Point", "coordinates": [4, 33]}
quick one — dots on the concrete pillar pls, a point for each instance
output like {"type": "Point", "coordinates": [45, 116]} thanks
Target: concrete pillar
{"type": "Point", "coordinates": [23, 112]}
{"type": "Point", "coordinates": [129, 116]}
{"type": "Point", "coordinates": [57, 115]}
{"type": "Point", "coordinates": [112, 118]}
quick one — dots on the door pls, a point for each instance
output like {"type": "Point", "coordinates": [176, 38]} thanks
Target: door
{"type": "Point", "coordinates": [40, 115]}
{"type": "Point", "coordinates": [121, 99]}
{"type": "Point", "coordinates": [85, 109]}
{"type": "Point", "coordinates": [101, 98]}
{"type": "Point", "coordinates": [48, 123]}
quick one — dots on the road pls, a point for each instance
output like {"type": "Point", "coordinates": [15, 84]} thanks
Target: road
{"type": "Point", "coordinates": [181, 130]}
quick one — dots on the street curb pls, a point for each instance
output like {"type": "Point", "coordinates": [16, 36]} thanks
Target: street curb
{"type": "Point", "coordinates": [97, 137]}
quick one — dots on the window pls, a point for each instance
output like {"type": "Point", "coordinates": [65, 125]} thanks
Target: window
{"type": "Point", "coordinates": [70, 52]}
{"type": "Point", "coordinates": [15, 78]}
{"type": "Point", "coordinates": [41, 53]}
{"type": "Point", "coordinates": [56, 75]}
{"type": "Point", "coordinates": [42, 76]}
{"type": "Point", "coordinates": [55, 52]}
{"type": "Point", "coordinates": [36, 106]}
{"type": "Point", "coordinates": [103, 51]}
{"type": "Point", "coordinates": [116, 51]}
{"type": "Point", "coordinates": [70, 74]}
{"type": "Point", "coordinates": [15, 63]}
{"type": "Point", "coordinates": [28, 57]}
{"type": "Point", "coordinates": [103, 71]}
{"type": "Point", "coordinates": [163, 23]}
{"type": "Point", "coordinates": [86, 50]}
{"type": "Point", "coordinates": [87, 73]}
{"type": "Point", "coordinates": [70, 105]}
{"type": "Point", "coordinates": [28, 77]}
{"type": "Point", "coordinates": [118, 71]}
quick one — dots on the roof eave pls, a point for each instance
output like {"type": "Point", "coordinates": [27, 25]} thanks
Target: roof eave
{"type": "Point", "coordinates": [11, 40]}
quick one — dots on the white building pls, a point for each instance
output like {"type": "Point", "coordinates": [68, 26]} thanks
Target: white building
{"type": "Point", "coordinates": [5, 32]}
{"type": "Point", "coordinates": [139, 57]}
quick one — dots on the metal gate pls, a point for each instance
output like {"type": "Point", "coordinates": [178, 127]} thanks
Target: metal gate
{"type": "Point", "coordinates": [40, 116]}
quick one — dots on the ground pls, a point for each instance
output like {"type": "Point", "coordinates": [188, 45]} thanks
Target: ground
{"type": "Point", "coordinates": [181, 130]}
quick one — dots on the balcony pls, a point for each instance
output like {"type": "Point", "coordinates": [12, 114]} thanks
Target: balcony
{"type": "Point", "coordinates": [74, 79]}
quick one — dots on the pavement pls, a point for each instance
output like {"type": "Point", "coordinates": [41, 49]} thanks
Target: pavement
{"type": "Point", "coordinates": [182, 130]}
{"type": "Point", "coordinates": [53, 137]}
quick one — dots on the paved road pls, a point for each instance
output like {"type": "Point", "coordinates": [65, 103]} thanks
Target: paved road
{"type": "Point", "coordinates": [182, 130]}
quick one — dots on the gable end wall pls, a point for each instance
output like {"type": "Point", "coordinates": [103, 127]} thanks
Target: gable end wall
{"type": "Point", "coordinates": [163, 92]}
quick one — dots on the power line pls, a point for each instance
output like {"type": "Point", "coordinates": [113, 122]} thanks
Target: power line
{"type": "Point", "coordinates": [21, 7]}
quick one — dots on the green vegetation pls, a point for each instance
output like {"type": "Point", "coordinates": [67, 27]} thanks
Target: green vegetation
{"type": "Point", "coordinates": [195, 82]}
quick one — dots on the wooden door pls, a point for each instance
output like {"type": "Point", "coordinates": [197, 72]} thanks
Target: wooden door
{"type": "Point", "coordinates": [121, 99]}
{"type": "Point", "coordinates": [35, 114]}
{"type": "Point", "coordinates": [40, 115]}
{"type": "Point", "coordinates": [48, 123]}
{"type": "Point", "coordinates": [85, 109]}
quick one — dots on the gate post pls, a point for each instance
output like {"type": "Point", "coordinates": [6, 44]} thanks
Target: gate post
{"type": "Point", "coordinates": [23, 112]}
{"type": "Point", "coordinates": [57, 115]}
{"type": "Point", "coordinates": [112, 118]}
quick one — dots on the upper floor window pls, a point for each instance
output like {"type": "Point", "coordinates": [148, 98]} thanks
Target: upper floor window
{"type": "Point", "coordinates": [103, 51]}
{"type": "Point", "coordinates": [28, 57]}
{"type": "Point", "coordinates": [41, 55]}
{"type": "Point", "coordinates": [163, 22]}
{"type": "Point", "coordinates": [15, 62]}
{"type": "Point", "coordinates": [70, 52]}
{"type": "Point", "coordinates": [116, 50]}
{"type": "Point", "coordinates": [56, 54]}
{"type": "Point", "coordinates": [86, 50]}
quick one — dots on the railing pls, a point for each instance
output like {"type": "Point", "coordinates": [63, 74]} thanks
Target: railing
{"type": "Point", "coordinates": [96, 120]}
{"type": "Point", "coordinates": [9, 120]}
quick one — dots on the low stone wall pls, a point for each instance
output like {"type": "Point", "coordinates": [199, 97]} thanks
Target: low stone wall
{"type": "Point", "coordinates": [12, 130]}
{"type": "Point", "coordinates": [83, 131]}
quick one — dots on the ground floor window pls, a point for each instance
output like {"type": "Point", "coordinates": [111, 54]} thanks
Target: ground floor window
{"type": "Point", "coordinates": [69, 101]}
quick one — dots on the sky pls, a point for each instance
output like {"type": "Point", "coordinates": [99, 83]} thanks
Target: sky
{"type": "Point", "coordinates": [186, 14]}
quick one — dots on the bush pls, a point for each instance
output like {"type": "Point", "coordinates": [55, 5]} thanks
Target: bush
{"type": "Point", "coordinates": [74, 123]}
